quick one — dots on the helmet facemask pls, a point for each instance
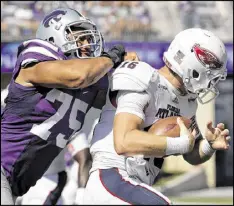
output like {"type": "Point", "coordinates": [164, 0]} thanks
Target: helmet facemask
{"type": "Point", "coordinates": [72, 32]}
{"type": "Point", "coordinates": [78, 32]}
{"type": "Point", "coordinates": [203, 84]}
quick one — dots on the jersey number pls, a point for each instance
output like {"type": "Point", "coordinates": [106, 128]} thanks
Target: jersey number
{"type": "Point", "coordinates": [43, 130]}
{"type": "Point", "coordinates": [130, 65]}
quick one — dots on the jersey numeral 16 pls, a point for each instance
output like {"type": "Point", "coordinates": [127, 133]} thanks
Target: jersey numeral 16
{"type": "Point", "coordinates": [130, 65]}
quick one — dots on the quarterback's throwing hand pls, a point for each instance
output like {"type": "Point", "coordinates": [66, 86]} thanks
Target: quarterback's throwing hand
{"type": "Point", "coordinates": [217, 137]}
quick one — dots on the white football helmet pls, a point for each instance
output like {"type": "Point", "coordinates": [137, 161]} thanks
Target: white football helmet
{"type": "Point", "coordinates": [199, 57]}
{"type": "Point", "coordinates": [59, 27]}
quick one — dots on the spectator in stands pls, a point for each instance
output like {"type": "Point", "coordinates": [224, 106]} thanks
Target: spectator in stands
{"type": "Point", "coordinates": [187, 13]}
{"type": "Point", "coordinates": [116, 19]}
{"type": "Point", "coordinates": [133, 19]}
{"type": "Point", "coordinates": [102, 13]}
{"type": "Point", "coordinates": [141, 16]}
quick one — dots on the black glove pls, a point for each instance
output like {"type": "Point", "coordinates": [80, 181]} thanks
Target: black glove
{"type": "Point", "coordinates": [116, 54]}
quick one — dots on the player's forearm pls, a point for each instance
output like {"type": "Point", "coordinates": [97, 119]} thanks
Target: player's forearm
{"type": "Point", "coordinates": [139, 142]}
{"type": "Point", "coordinates": [72, 74]}
{"type": "Point", "coordinates": [84, 159]}
{"type": "Point", "coordinates": [95, 70]}
{"type": "Point", "coordinates": [197, 156]}
{"type": "Point", "coordinates": [81, 73]}
{"type": "Point", "coordinates": [83, 174]}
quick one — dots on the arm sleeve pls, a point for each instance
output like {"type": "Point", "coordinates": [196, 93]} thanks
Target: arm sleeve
{"type": "Point", "coordinates": [132, 102]}
{"type": "Point", "coordinates": [78, 142]}
{"type": "Point", "coordinates": [35, 51]}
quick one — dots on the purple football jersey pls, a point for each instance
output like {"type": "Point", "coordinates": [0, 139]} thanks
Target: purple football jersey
{"type": "Point", "coordinates": [37, 121]}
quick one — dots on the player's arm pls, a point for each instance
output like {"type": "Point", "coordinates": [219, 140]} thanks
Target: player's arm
{"type": "Point", "coordinates": [73, 73]}
{"type": "Point", "coordinates": [84, 159]}
{"type": "Point", "coordinates": [197, 156]}
{"type": "Point", "coordinates": [215, 139]}
{"type": "Point", "coordinates": [130, 140]}
{"type": "Point", "coordinates": [79, 149]}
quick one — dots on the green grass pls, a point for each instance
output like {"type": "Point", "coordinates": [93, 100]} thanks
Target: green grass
{"type": "Point", "coordinates": [226, 200]}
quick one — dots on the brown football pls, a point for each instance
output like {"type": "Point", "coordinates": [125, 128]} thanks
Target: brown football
{"type": "Point", "coordinates": [168, 126]}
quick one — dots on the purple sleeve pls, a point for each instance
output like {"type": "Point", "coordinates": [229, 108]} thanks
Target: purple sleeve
{"type": "Point", "coordinates": [36, 50]}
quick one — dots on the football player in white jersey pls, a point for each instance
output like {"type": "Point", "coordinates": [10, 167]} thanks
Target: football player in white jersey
{"type": "Point", "coordinates": [126, 159]}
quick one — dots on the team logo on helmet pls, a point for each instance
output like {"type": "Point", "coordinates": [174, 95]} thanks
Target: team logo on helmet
{"type": "Point", "coordinates": [206, 57]}
{"type": "Point", "coordinates": [55, 15]}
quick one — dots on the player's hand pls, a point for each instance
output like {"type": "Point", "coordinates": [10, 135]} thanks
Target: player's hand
{"type": "Point", "coordinates": [185, 131]}
{"type": "Point", "coordinates": [217, 137]}
{"type": "Point", "coordinates": [116, 54]}
{"type": "Point", "coordinates": [131, 56]}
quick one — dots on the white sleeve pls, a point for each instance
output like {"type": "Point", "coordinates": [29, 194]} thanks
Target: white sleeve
{"type": "Point", "coordinates": [132, 102]}
{"type": "Point", "coordinates": [78, 142]}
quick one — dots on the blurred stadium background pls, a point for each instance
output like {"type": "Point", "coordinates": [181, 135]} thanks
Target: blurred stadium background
{"type": "Point", "coordinates": [147, 28]}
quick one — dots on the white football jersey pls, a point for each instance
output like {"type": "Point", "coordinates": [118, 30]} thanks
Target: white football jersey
{"type": "Point", "coordinates": [163, 101]}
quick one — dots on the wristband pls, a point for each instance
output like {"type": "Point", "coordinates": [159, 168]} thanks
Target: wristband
{"type": "Point", "coordinates": [177, 145]}
{"type": "Point", "coordinates": [206, 148]}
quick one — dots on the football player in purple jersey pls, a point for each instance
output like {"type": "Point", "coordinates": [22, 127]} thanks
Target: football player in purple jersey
{"type": "Point", "coordinates": [57, 78]}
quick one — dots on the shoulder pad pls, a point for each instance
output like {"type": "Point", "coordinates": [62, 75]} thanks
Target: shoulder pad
{"type": "Point", "coordinates": [34, 51]}
{"type": "Point", "coordinates": [135, 77]}
{"type": "Point", "coordinates": [37, 50]}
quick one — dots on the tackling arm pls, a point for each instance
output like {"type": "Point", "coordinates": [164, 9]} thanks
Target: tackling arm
{"type": "Point", "coordinates": [73, 73]}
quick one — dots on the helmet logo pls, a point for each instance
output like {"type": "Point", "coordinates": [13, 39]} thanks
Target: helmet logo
{"type": "Point", "coordinates": [206, 57]}
{"type": "Point", "coordinates": [55, 15]}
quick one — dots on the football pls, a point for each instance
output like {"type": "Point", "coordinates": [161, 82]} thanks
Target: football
{"type": "Point", "coordinates": [168, 126]}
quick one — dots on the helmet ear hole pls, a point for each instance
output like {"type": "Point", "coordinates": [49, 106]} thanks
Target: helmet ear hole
{"type": "Point", "coordinates": [195, 74]}
{"type": "Point", "coordinates": [51, 39]}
